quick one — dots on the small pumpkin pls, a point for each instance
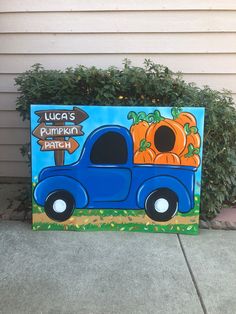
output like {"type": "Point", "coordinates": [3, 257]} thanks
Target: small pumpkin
{"type": "Point", "coordinates": [138, 128]}
{"type": "Point", "coordinates": [165, 135]}
{"type": "Point", "coordinates": [192, 158]}
{"type": "Point", "coordinates": [167, 159]}
{"type": "Point", "coordinates": [183, 117]}
{"type": "Point", "coordinates": [193, 137]}
{"type": "Point", "coordinates": [144, 155]}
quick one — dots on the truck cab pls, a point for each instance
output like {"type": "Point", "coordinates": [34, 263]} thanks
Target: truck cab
{"type": "Point", "coordinates": [106, 177]}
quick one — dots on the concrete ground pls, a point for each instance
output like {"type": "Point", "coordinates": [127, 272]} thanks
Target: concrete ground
{"type": "Point", "coordinates": [111, 272]}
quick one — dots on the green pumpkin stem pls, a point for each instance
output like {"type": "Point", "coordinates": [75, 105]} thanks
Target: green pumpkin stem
{"type": "Point", "coordinates": [194, 129]}
{"type": "Point", "coordinates": [157, 116]}
{"type": "Point", "coordinates": [192, 151]}
{"type": "Point", "coordinates": [142, 116]}
{"type": "Point", "coordinates": [189, 130]}
{"type": "Point", "coordinates": [144, 145]}
{"type": "Point", "coordinates": [175, 111]}
{"type": "Point", "coordinates": [133, 116]}
{"type": "Point", "coordinates": [150, 118]}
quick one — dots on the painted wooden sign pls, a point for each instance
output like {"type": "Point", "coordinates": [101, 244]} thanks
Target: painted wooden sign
{"type": "Point", "coordinates": [116, 168]}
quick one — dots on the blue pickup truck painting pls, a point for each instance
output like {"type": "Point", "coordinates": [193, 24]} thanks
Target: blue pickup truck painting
{"type": "Point", "coordinates": [116, 168]}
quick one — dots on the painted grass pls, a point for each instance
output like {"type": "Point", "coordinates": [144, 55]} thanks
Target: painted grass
{"type": "Point", "coordinates": [178, 228]}
{"type": "Point", "coordinates": [168, 228]}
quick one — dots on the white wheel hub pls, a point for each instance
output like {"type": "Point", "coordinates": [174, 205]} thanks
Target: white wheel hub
{"type": "Point", "coordinates": [161, 205]}
{"type": "Point", "coordinates": [59, 206]}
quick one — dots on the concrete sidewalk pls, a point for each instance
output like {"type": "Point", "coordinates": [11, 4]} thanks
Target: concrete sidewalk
{"type": "Point", "coordinates": [110, 272]}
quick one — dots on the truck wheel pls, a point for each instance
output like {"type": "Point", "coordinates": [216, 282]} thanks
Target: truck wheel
{"type": "Point", "coordinates": [59, 205]}
{"type": "Point", "coordinates": [161, 205]}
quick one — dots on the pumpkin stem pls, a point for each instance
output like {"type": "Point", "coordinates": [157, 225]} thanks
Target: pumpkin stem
{"type": "Point", "coordinates": [175, 111]}
{"type": "Point", "coordinates": [142, 116]}
{"type": "Point", "coordinates": [144, 145]}
{"type": "Point", "coordinates": [192, 151]}
{"type": "Point", "coordinates": [194, 129]}
{"type": "Point", "coordinates": [157, 116]}
{"type": "Point", "coordinates": [133, 115]}
{"type": "Point", "coordinates": [189, 130]}
{"type": "Point", "coordinates": [150, 118]}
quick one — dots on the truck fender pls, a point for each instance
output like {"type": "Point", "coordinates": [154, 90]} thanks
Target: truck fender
{"type": "Point", "coordinates": [51, 184]}
{"type": "Point", "coordinates": [168, 182]}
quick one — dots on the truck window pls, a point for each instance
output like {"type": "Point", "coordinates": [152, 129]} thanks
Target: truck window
{"type": "Point", "coordinates": [110, 148]}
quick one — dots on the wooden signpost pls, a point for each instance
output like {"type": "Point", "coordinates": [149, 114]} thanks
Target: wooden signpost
{"type": "Point", "coordinates": [71, 145]}
{"type": "Point", "coordinates": [54, 130]}
{"type": "Point", "coordinates": [44, 131]}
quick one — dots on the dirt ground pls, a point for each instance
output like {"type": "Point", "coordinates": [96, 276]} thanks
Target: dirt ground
{"type": "Point", "coordinates": [99, 220]}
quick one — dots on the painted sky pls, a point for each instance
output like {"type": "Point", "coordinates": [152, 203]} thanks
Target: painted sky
{"type": "Point", "coordinates": [98, 116]}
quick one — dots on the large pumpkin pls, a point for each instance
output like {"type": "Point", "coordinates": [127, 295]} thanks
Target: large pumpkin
{"type": "Point", "coordinates": [193, 138]}
{"type": "Point", "coordinates": [192, 158]}
{"type": "Point", "coordinates": [183, 117]}
{"type": "Point", "coordinates": [138, 128]}
{"type": "Point", "coordinates": [165, 135]}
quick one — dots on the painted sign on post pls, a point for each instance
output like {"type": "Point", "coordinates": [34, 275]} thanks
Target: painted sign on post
{"type": "Point", "coordinates": [116, 168]}
{"type": "Point", "coordinates": [58, 130]}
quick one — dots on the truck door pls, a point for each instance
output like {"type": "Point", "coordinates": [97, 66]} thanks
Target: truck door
{"type": "Point", "coordinates": [108, 174]}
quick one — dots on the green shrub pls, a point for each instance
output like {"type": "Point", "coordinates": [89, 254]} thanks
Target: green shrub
{"type": "Point", "coordinates": [149, 86]}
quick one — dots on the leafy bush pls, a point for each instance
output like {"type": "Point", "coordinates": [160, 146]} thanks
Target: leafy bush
{"type": "Point", "coordinates": [152, 85]}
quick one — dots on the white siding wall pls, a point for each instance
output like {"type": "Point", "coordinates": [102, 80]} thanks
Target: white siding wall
{"type": "Point", "coordinates": [195, 37]}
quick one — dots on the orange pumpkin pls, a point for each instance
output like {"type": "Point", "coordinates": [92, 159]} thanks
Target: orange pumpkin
{"type": "Point", "coordinates": [165, 135]}
{"type": "Point", "coordinates": [144, 155]}
{"type": "Point", "coordinates": [167, 159]}
{"type": "Point", "coordinates": [193, 161]}
{"type": "Point", "coordinates": [139, 127]}
{"type": "Point", "coordinates": [183, 117]}
{"type": "Point", "coordinates": [192, 158]}
{"type": "Point", "coordinates": [193, 138]}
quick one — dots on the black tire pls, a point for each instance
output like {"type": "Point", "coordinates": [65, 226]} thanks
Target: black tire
{"type": "Point", "coordinates": [168, 205]}
{"type": "Point", "coordinates": [59, 205]}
